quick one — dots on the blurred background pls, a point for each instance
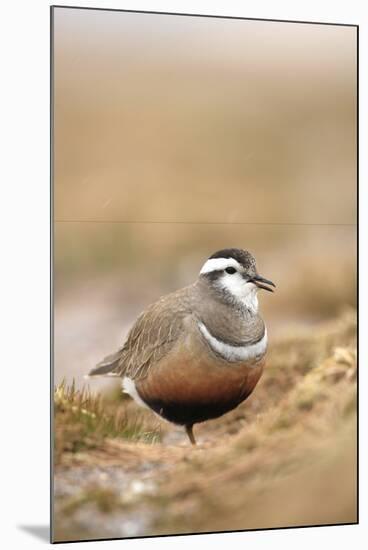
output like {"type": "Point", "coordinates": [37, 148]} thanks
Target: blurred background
{"type": "Point", "coordinates": [175, 137]}
{"type": "Point", "coordinates": [178, 136]}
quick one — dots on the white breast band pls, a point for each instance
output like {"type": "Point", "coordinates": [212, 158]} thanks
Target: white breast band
{"type": "Point", "coordinates": [234, 353]}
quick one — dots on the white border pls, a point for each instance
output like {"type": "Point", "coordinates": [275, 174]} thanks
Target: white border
{"type": "Point", "coordinates": [24, 104]}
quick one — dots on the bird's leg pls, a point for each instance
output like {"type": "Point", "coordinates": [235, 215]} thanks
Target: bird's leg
{"type": "Point", "coordinates": [189, 430]}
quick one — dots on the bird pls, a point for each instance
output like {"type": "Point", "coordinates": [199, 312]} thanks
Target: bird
{"type": "Point", "coordinates": [198, 352]}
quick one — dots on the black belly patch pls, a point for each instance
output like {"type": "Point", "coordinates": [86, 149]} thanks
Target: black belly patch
{"type": "Point", "coordinates": [191, 413]}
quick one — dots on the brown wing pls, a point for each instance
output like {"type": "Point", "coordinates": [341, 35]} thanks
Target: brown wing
{"type": "Point", "coordinates": [151, 337]}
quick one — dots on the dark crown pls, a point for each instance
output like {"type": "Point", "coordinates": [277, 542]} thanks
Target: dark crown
{"type": "Point", "coordinates": [244, 257]}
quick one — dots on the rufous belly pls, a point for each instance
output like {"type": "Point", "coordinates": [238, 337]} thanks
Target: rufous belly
{"type": "Point", "coordinates": [192, 384]}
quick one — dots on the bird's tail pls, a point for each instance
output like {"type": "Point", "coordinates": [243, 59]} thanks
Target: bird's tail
{"type": "Point", "coordinates": [108, 366]}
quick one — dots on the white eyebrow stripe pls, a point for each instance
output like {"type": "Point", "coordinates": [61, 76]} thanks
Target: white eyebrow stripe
{"type": "Point", "coordinates": [214, 264]}
{"type": "Point", "coordinates": [234, 353]}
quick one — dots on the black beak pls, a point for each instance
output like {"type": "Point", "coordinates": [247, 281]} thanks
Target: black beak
{"type": "Point", "coordinates": [261, 282]}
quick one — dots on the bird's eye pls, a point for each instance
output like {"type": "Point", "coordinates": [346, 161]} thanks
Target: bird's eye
{"type": "Point", "coordinates": [230, 270]}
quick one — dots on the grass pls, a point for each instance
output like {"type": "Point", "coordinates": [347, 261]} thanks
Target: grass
{"type": "Point", "coordinates": [83, 421]}
{"type": "Point", "coordinates": [287, 456]}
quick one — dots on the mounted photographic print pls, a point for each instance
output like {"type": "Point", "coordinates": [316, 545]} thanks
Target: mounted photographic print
{"type": "Point", "coordinates": [205, 274]}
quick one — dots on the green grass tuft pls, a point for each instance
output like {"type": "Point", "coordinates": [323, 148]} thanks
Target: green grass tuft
{"type": "Point", "coordinates": [84, 420]}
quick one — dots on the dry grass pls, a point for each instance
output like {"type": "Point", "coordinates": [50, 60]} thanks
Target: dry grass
{"type": "Point", "coordinates": [282, 467]}
{"type": "Point", "coordinates": [285, 457]}
{"type": "Point", "coordinates": [84, 421]}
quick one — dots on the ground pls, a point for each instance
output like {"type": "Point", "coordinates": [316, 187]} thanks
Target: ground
{"type": "Point", "coordinates": [286, 456]}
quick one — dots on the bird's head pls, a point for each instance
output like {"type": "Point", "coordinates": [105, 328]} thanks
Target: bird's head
{"type": "Point", "coordinates": [233, 273]}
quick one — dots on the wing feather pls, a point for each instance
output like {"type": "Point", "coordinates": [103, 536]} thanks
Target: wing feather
{"type": "Point", "coordinates": [152, 336]}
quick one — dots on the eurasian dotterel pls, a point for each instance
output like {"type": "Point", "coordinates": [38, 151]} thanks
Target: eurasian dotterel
{"type": "Point", "coordinates": [197, 353]}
